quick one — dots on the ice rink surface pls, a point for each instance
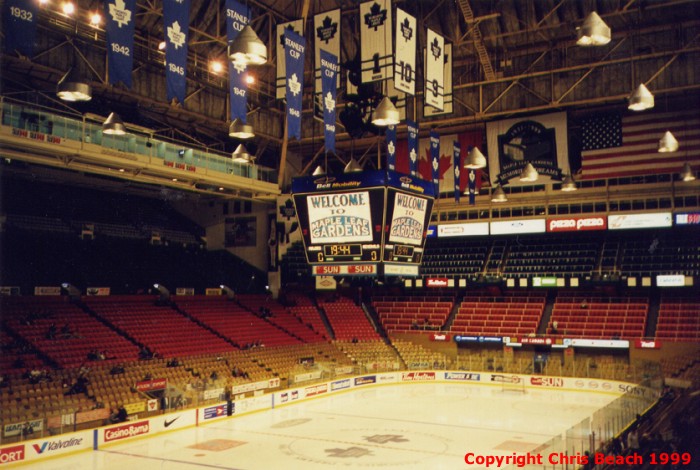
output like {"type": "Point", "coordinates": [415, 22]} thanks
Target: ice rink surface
{"type": "Point", "coordinates": [416, 426]}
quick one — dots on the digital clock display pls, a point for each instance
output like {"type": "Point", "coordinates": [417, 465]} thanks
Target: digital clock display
{"type": "Point", "coordinates": [335, 251]}
{"type": "Point", "coordinates": [403, 250]}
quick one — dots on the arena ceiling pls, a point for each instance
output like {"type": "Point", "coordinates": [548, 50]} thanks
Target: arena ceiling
{"type": "Point", "coordinates": [510, 57]}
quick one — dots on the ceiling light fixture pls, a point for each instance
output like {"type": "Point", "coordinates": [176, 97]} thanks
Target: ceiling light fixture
{"type": "Point", "coordinates": [687, 173]}
{"type": "Point", "coordinates": [499, 195]}
{"type": "Point", "coordinates": [352, 167]}
{"type": "Point", "coordinates": [475, 159]}
{"type": "Point", "coordinates": [240, 130]}
{"type": "Point", "coordinates": [241, 155]}
{"type": "Point", "coordinates": [529, 174]}
{"type": "Point", "coordinates": [247, 48]}
{"type": "Point", "coordinates": [319, 171]}
{"type": "Point", "coordinates": [568, 184]}
{"type": "Point", "coordinates": [668, 143]}
{"type": "Point", "coordinates": [593, 31]}
{"type": "Point", "coordinates": [73, 87]}
{"type": "Point", "coordinates": [113, 125]}
{"type": "Point", "coordinates": [641, 99]}
{"type": "Point", "coordinates": [385, 114]}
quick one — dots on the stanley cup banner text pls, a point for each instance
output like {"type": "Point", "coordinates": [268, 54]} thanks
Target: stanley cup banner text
{"type": "Point", "coordinates": [176, 15]}
{"type": "Point", "coordinates": [375, 35]}
{"type": "Point", "coordinates": [435, 70]}
{"type": "Point", "coordinates": [457, 165]}
{"type": "Point", "coordinates": [120, 17]}
{"type": "Point", "coordinates": [539, 140]}
{"type": "Point", "coordinates": [296, 26]}
{"type": "Point", "coordinates": [329, 75]}
{"type": "Point", "coordinates": [326, 37]}
{"type": "Point", "coordinates": [447, 108]}
{"type": "Point", "coordinates": [294, 46]}
{"type": "Point", "coordinates": [412, 147]}
{"type": "Point", "coordinates": [391, 148]}
{"type": "Point", "coordinates": [340, 217]}
{"type": "Point", "coordinates": [237, 17]}
{"type": "Point", "coordinates": [19, 24]}
{"type": "Point", "coordinates": [406, 43]}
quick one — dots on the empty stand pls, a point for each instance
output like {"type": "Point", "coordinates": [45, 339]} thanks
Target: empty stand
{"type": "Point", "coordinates": [403, 314]}
{"type": "Point", "coordinates": [513, 313]}
{"type": "Point", "coordinates": [679, 318]}
{"type": "Point", "coordinates": [348, 320]}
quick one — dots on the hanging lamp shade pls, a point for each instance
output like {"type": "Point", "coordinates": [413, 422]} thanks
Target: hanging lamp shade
{"type": "Point", "coordinates": [594, 31]}
{"type": "Point", "coordinates": [641, 99]}
{"type": "Point", "coordinates": [241, 155]}
{"type": "Point", "coordinates": [73, 87]}
{"type": "Point", "coordinates": [113, 125]}
{"type": "Point", "coordinates": [499, 195]}
{"type": "Point", "coordinates": [687, 173]}
{"type": "Point", "coordinates": [352, 167]}
{"type": "Point", "coordinates": [319, 171]}
{"type": "Point", "coordinates": [529, 174]}
{"type": "Point", "coordinates": [668, 143]}
{"type": "Point", "coordinates": [475, 159]}
{"type": "Point", "coordinates": [247, 48]}
{"type": "Point", "coordinates": [240, 130]}
{"type": "Point", "coordinates": [386, 114]}
{"type": "Point", "coordinates": [568, 184]}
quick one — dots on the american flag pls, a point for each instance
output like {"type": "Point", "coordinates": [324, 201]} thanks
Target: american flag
{"type": "Point", "coordinates": [616, 146]}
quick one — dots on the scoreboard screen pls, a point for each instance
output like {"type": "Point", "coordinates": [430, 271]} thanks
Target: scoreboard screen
{"type": "Point", "coordinates": [365, 218]}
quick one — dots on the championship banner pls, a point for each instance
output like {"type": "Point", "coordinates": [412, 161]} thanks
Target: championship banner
{"type": "Point", "coordinates": [297, 26]}
{"type": "Point", "coordinates": [435, 71]}
{"type": "Point", "coordinates": [456, 151]}
{"type": "Point", "coordinates": [540, 140]}
{"type": "Point", "coordinates": [406, 44]}
{"type": "Point", "coordinates": [448, 104]}
{"type": "Point", "coordinates": [412, 147]}
{"type": "Point", "coordinates": [375, 35]}
{"type": "Point", "coordinates": [294, 46]}
{"type": "Point", "coordinates": [435, 160]}
{"type": "Point", "coordinates": [329, 75]}
{"type": "Point", "coordinates": [19, 24]}
{"type": "Point", "coordinates": [120, 18]}
{"type": "Point", "coordinates": [327, 37]}
{"type": "Point", "coordinates": [472, 187]}
{"type": "Point", "coordinates": [391, 148]}
{"type": "Point", "coordinates": [237, 16]}
{"type": "Point", "coordinates": [176, 16]}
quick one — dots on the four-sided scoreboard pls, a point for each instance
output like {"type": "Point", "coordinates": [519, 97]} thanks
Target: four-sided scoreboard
{"type": "Point", "coordinates": [368, 223]}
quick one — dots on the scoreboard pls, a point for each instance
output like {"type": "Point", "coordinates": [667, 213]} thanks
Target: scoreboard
{"type": "Point", "coordinates": [356, 223]}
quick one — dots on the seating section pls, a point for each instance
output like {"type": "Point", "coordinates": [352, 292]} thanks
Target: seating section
{"type": "Point", "coordinates": [277, 314]}
{"type": "Point", "coordinates": [513, 313]}
{"type": "Point", "coordinates": [348, 320]}
{"type": "Point", "coordinates": [63, 332]}
{"type": "Point", "coordinates": [652, 253]}
{"type": "Point", "coordinates": [403, 314]}
{"type": "Point", "coordinates": [595, 315]}
{"type": "Point", "coordinates": [416, 356]}
{"type": "Point", "coordinates": [303, 308]}
{"type": "Point", "coordinates": [371, 355]}
{"type": "Point", "coordinates": [454, 258]}
{"type": "Point", "coordinates": [160, 328]}
{"type": "Point", "coordinates": [553, 256]}
{"type": "Point", "coordinates": [679, 319]}
{"type": "Point", "coordinates": [235, 322]}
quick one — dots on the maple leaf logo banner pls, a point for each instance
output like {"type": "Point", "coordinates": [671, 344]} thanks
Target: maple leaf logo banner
{"type": "Point", "coordinates": [120, 40]}
{"type": "Point", "coordinates": [176, 14]}
{"type": "Point", "coordinates": [294, 47]}
{"type": "Point", "coordinates": [435, 71]}
{"type": "Point", "coordinates": [376, 51]}
{"type": "Point", "coordinates": [296, 26]}
{"type": "Point", "coordinates": [237, 17]}
{"type": "Point", "coordinates": [391, 148]}
{"type": "Point", "coordinates": [329, 72]}
{"type": "Point", "coordinates": [327, 35]}
{"type": "Point", "coordinates": [406, 46]}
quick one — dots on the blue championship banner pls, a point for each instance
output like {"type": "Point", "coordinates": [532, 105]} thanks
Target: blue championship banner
{"type": "Point", "coordinates": [294, 46]}
{"type": "Point", "coordinates": [120, 17]}
{"type": "Point", "coordinates": [412, 147]}
{"type": "Point", "coordinates": [391, 148]}
{"type": "Point", "coordinates": [456, 152]}
{"type": "Point", "coordinates": [19, 24]}
{"type": "Point", "coordinates": [176, 14]}
{"type": "Point", "coordinates": [329, 74]}
{"type": "Point", "coordinates": [237, 16]}
{"type": "Point", "coordinates": [472, 187]}
{"type": "Point", "coordinates": [435, 160]}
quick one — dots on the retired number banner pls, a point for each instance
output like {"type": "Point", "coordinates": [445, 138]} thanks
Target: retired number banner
{"type": "Point", "coordinates": [237, 17]}
{"type": "Point", "coordinates": [19, 21]}
{"type": "Point", "coordinates": [294, 47]}
{"type": "Point", "coordinates": [435, 70]}
{"type": "Point", "coordinates": [406, 44]}
{"type": "Point", "coordinates": [120, 17]}
{"type": "Point", "coordinates": [448, 101]}
{"type": "Point", "coordinates": [176, 16]}
{"type": "Point", "coordinates": [375, 35]}
{"type": "Point", "coordinates": [329, 76]}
